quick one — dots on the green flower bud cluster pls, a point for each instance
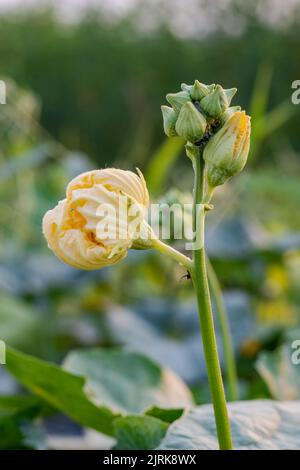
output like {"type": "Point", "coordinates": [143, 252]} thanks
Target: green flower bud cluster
{"type": "Point", "coordinates": [213, 129]}
{"type": "Point", "coordinates": [195, 109]}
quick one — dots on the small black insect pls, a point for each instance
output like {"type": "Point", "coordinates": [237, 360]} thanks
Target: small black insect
{"type": "Point", "coordinates": [187, 275]}
{"type": "Point", "coordinates": [204, 139]}
{"type": "Point", "coordinates": [211, 128]}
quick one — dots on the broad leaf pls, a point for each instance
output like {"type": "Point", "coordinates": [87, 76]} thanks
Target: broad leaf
{"type": "Point", "coordinates": [280, 374]}
{"type": "Point", "coordinates": [139, 432]}
{"type": "Point", "coordinates": [100, 385]}
{"type": "Point", "coordinates": [63, 390]}
{"type": "Point", "coordinates": [20, 405]}
{"type": "Point", "coordinates": [17, 428]}
{"type": "Point", "coordinates": [167, 415]}
{"type": "Point", "coordinates": [127, 382]}
{"type": "Point", "coordinates": [257, 424]}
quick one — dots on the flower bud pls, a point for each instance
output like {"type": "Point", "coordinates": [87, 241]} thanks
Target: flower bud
{"type": "Point", "coordinates": [190, 124]}
{"type": "Point", "coordinates": [98, 221]}
{"type": "Point", "coordinates": [228, 113]}
{"type": "Point", "coordinates": [211, 87]}
{"type": "Point", "coordinates": [169, 118]}
{"type": "Point", "coordinates": [177, 100]}
{"type": "Point", "coordinates": [227, 151]}
{"type": "Point", "coordinates": [198, 91]}
{"type": "Point", "coordinates": [215, 103]}
{"type": "Point", "coordinates": [230, 92]}
{"type": "Point", "coordinates": [186, 88]}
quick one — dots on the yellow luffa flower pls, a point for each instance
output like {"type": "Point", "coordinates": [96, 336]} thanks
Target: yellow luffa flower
{"type": "Point", "coordinates": [74, 228]}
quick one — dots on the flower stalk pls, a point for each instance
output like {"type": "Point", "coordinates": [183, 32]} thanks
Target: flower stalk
{"type": "Point", "coordinates": [172, 253]}
{"type": "Point", "coordinates": [225, 330]}
{"type": "Point", "coordinates": [200, 281]}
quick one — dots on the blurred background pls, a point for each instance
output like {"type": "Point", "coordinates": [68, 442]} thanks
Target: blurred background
{"type": "Point", "coordinates": [84, 84]}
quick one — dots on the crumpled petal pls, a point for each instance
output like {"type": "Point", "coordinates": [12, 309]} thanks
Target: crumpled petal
{"type": "Point", "coordinates": [72, 227]}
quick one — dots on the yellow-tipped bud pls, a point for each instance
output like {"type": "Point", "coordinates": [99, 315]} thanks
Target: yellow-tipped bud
{"type": "Point", "coordinates": [190, 124]}
{"type": "Point", "coordinates": [228, 113]}
{"type": "Point", "coordinates": [227, 151]}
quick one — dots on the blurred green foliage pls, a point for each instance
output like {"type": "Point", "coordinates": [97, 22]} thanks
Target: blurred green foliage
{"type": "Point", "coordinates": [87, 94]}
{"type": "Point", "coordinates": [101, 82]}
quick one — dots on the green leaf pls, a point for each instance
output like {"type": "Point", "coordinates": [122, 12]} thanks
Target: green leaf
{"type": "Point", "coordinates": [161, 164]}
{"type": "Point", "coordinates": [20, 405]}
{"type": "Point", "coordinates": [163, 414]}
{"type": "Point", "coordinates": [139, 432]}
{"type": "Point", "coordinates": [19, 324]}
{"type": "Point", "coordinates": [99, 385]}
{"type": "Point", "coordinates": [280, 374]}
{"type": "Point", "coordinates": [265, 123]}
{"type": "Point", "coordinates": [257, 424]}
{"type": "Point", "coordinates": [277, 117]}
{"type": "Point", "coordinates": [16, 434]}
{"type": "Point", "coordinates": [63, 390]}
{"type": "Point", "coordinates": [127, 382]}
{"type": "Point", "coordinates": [17, 430]}
{"type": "Point", "coordinates": [11, 436]}
{"type": "Point", "coordinates": [261, 91]}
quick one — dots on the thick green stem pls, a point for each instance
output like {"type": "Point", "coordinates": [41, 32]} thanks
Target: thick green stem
{"type": "Point", "coordinates": [199, 276]}
{"type": "Point", "coordinates": [225, 330]}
